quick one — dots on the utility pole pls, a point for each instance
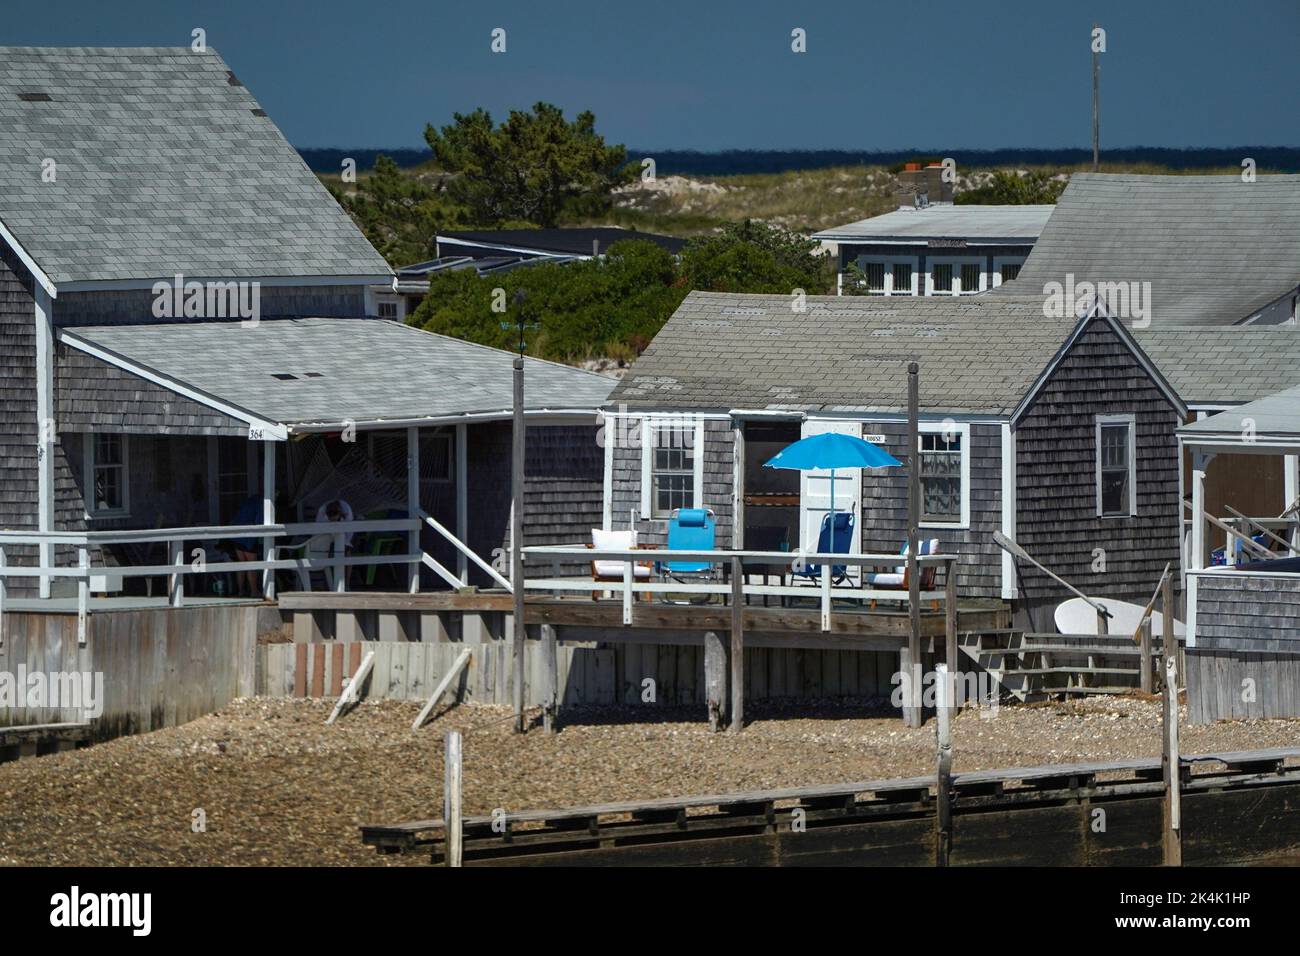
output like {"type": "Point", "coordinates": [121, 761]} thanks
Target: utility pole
{"type": "Point", "coordinates": [1096, 101]}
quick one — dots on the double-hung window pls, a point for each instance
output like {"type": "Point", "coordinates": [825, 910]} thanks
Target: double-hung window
{"type": "Point", "coordinates": [944, 458]}
{"type": "Point", "coordinates": [106, 475]}
{"type": "Point", "coordinates": [672, 468]}
{"type": "Point", "coordinates": [1116, 466]}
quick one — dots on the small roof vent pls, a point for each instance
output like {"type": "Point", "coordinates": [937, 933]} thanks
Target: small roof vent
{"type": "Point", "coordinates": [231, 79]}
{"type": "Point", "coordinates": [35, 97]}
{"type": "Point", "coordinates": [259, 112]}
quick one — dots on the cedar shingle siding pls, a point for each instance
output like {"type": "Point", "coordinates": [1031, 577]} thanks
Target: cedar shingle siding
{"type": "Point", "coordinates": [883, 515]}
{"type": "Point", "coordinates": [92, 395]}
{"type": "Point", "coordinates": [1247, 614]}
{"type": "Point", "coordinates": [1056, 488]}
{"type": "Point", "coordinates": [719, 456]}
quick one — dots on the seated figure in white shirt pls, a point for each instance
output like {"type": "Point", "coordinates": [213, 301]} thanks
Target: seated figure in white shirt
{"type": "Point", "coordinates": [337, 510]}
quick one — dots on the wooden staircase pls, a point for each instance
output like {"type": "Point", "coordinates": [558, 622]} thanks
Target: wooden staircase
{"type": "Point", "coordinates": [1031, 666]}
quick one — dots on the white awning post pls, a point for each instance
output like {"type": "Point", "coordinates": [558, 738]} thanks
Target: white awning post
{"type": "Point", "coordinates": [413, 504]}
{"type": "Point", "coordinates": [177, 577]}
{"type": "Point", "coordinates": [1200, 462]}
{"type": "Point", "coordinates": [340, 568]}
{"type": "Point", "coordinates": [83, 594]}
{"type": "Point", "coordinates": [268, 517]}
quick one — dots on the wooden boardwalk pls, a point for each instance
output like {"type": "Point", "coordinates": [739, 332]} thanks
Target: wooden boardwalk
{"type": "Point", "coordinates": [1043, 815]}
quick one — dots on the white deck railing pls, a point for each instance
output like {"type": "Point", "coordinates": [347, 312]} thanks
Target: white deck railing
{"type": "Point", "coordinates": [821, 587]}
{"type": "Point", "coordinates": [321, 547]}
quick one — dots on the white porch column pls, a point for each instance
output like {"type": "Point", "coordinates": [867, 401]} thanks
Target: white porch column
{"type": "Point", "coordinates": [413, 503]}
{"type": "Point", "coordinates": [45, 429]}
{"type": "Point", "coordinates": [268, 516]}
{"type": "Point", "coordinates": [462, 500]}
{"type": "Point", "coordinates": [1200, 462]}
{"type": "Point", "coordinates": [1291, 491]}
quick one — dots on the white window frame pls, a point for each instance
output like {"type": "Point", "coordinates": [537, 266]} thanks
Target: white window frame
{"type": "Point", "coordinates": [398, 301]}
{"type": "Point", "coordinates": [995, 277]}
{"type": "Point", "coordinates": [448, 436]}
{"type": "Point", "coordinates": [961, 429]}
{"type": "Point", "coordinates": [1131, 421]}
{"type": "Point", "coordinates": [88, 476]}
{"type": "Point", "coordinates": [889, 262]}
{"type": "Point", "coordinates": [648, 435]}
{"type": "Point", "coordinates": [956, 262]}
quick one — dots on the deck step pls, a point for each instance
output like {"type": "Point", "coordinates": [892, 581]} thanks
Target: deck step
{"type": "Point", "coordinates": [1058, 669]}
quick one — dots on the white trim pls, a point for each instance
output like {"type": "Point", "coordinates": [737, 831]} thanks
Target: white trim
{"type": "Point", "coordinates": [647, 437]}
{"type": "Point", "coordinates": [995, 277]}
{"type": "Point", "coordinates": [889, 262]}
{"type": "Point", "coordinates": [607, 493]}
{"type": "Point", "coordinates": [962, 429]}
{"type": "Point", "coordinates": [956, 262]}
{"type": "Point", "coordinates": [88, 466]}
{"type": "Point", "coordinates": [698, 461]}
{"type": "Point", "coordinates": [25, 258]}
{"type": "Point", "coordinates": [1009, 589]}
{"type": "Point", "coordinates": [462, 499]}
{"type": "Point", "coordinates": [268, 517]}
{"type": "Point", "coordinates": [1189, 622]}
{"type": "Point", "coordinates": [270, 282]}
{"type": "Point", "coordinates": [272, 431]}
{"type": "Point", "coordinates": [1099, 422]}
{"type": "Point", "coordinates": [43, 321]}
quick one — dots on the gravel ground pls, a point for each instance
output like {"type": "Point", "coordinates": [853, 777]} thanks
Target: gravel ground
{"type": "Point", "coordinates": [278, 787]}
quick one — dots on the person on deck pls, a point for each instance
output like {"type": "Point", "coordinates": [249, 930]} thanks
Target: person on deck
{"type": "Point", "coordinates": [338, 510]}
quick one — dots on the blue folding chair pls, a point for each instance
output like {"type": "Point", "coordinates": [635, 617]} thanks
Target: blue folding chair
{"type": "Point", "coordinates": [689, 529]}
{"type": "Point", "coordinates": [841, 542]}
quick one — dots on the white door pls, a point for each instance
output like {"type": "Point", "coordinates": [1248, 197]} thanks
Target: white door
{"type": "Point", "coordinates": [815, 491]}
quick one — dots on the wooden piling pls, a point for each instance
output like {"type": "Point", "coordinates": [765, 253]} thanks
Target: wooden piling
{"type": "Point", "coordinates": [1172, 816]}
{"type": "Point", "coordinates": [912, 714]}
{"type": "Point", "coordinates": [715, 678]}
{"type": "Point", "coordinates": [517, 538]}
{"type": "Point", "coordinates": [550, 665]}
{"type": "Point", "coordinates": [950, 620]}
{"type": "Point", "coordinates": [1146, 676]}
{"type": "Point", "coordinates": [945, 705]}
{"type": "Point", "coordinates": [737, 646]}
{"type": "Point", "coordinates": [451, 813]}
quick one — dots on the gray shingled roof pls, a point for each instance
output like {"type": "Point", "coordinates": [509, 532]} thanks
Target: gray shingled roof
{"type": "Point", "coordinates": [1215, 249]}
{"type": "Point", "coordinates": [162, 167]}
{"type": "Point", "coordinates": [973, 222]}
{"type": "Point", "coordinates": [1276, 416]}
{"type": "Point", "coordinates": [369, 369]}
{"type": "Point", "coordinates": [724, 352]}
{"type": "Point", "coordinates": [1214, 366]}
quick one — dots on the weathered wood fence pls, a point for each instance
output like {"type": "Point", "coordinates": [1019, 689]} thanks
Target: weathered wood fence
{"type": "Point", "coordinates": [623, 674]}
{"type": "Point", "coordinates": [1238, 685]}
{"type": "Point", "coordinates": [160, 667]}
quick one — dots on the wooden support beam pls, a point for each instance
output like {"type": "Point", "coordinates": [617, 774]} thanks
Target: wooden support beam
{"type": "Point", "coordinates": [1171, 765]}
{"type": "Point", "coordinates": [352, 693]}
{"type": "Point", "coordinates": [452, 673]}
{"type": "Point", "coordinates": [1169, 641]}
{"type": "Point", "coordinates": [451, 799]}
{"type": "Point", "coordinates": [715, 678]}
{"type": "Point", "coordinates": [737, 646]}
{"type": "Point", "coordinates": [1145, 678]}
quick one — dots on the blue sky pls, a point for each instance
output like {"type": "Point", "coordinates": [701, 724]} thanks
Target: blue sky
{"type": "Point", "coordinates": [718, 74]}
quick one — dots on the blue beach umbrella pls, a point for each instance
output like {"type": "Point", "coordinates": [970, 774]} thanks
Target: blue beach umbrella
{"type": "Point", "coordinates": [831, 450]}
